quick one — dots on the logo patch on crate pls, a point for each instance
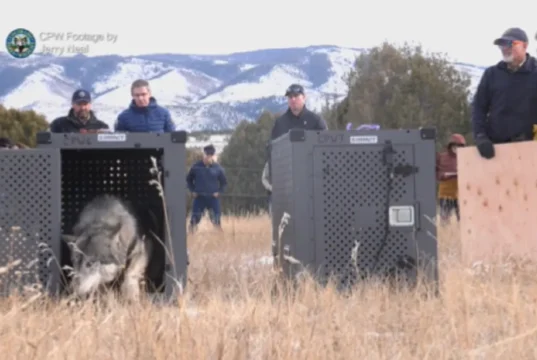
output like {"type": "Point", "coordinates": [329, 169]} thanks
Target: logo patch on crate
{"type": "Point", "coordinates": [111, 137]}
{"type": "Point", "coordinates": [364, 139]}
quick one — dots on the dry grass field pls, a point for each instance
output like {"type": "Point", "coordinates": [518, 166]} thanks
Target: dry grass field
{"type": "Point", "coordinates": [229, 312]}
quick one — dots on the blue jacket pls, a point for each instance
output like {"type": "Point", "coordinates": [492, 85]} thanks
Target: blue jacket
{"type": "Point", "coordinates": [153, 118]}
{"type": "Point", "coordinates": [505, 103]}
{"type": "Point", "coordinates": [206, 179]}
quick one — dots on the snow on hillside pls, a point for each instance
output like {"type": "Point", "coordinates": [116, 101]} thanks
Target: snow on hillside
{"type": "Point", "coordinates": [126, 72]}
{"type": "Point", "coordinates": [246, 67]}
{"type": "Point", "coordinates": [186, 85]}
{"type": "Point", "coordinates": [343, 62]}
{"type": "Point", "coordinates": [272, 84]}
{"type": "Point", "coordinates": [218, 141]}
{"type": "Point", "coordinates": [45, 91]}
{"type": "Point", "coordinates": [474, 72]}
{"type": "Point", "coordinates": [201, 92]}
{"type": "Point", "coordinates": [177, 86]}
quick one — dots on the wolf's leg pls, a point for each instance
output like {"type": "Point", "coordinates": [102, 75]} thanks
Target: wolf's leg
{"type": "Point", "coordinates": [130, 288]}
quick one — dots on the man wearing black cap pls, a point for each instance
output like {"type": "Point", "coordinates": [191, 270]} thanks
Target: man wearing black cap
{"type": "Point", "coordinates": [297, 115]}
{"type": "Point", "coordinates": [80, 118]}
{"type": "Point", "coordinates": [206, 180]}
{"type": "Point", "coordinates": [505, 103]}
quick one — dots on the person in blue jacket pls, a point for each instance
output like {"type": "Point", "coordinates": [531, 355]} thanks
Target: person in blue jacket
{"type": "Point", "coordinates": [206, 180]}
{"type": "Point", "coordinates": [144, 114]}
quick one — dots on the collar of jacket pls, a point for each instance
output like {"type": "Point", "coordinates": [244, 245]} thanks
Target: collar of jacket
{"type": "Point", "coordinates": [299, 114]}
{"type": "Point", "coordinates": [528, 65]}
{"type": "Point", "coordinates": [152, 104]}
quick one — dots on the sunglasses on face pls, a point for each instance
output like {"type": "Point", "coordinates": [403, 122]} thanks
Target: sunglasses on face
{"type": "Point", "coordinates": [509, 43]}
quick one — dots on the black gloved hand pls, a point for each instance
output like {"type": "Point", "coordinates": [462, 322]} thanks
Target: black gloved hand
{"type": "Point", "coordinates": [485, 147]}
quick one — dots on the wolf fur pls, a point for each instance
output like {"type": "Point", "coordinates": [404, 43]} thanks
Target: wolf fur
{"type": "Point", "coordinates": [106, 249]}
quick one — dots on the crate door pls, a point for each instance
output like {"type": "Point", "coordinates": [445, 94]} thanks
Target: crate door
{"type": "Point", "coordinates": [351, 198]}
{"type": "Point", "coordinates": [29, 219]}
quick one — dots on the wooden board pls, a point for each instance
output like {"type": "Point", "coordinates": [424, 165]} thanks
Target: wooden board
{"type": "Point", "coordinates": [498, 203]}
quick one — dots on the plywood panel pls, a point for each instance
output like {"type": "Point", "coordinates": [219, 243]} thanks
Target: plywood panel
{"type": "Point", "coordinates": [498, 203]}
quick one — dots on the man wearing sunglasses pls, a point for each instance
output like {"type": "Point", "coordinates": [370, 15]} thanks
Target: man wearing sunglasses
{"type": "Point", "coordinates": [297, 115]}
{"type": "Point", "coordinates": [505, 103]}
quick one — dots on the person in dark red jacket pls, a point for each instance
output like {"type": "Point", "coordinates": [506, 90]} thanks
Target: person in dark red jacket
{"type": "Point", "coordinates": [446, 174]}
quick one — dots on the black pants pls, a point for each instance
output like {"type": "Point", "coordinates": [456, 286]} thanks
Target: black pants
{"type": "Point", "coordinates": [447, 207]}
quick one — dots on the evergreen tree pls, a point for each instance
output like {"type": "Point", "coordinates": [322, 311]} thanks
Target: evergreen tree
{"type": "Point", "coordinates": [404, 87]}
{"type": "Point", "coordinates": [243, 160]}
{"type": "Point", "coordinates": [21, 126]}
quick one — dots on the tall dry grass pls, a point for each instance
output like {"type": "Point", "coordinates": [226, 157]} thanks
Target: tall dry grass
{"type": "Point", "coordinates": [230, 312]}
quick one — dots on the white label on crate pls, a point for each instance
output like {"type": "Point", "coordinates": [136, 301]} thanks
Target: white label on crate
{"type": "Point", "coordinates": [112, 137]}
{"type": "Point", "coordinates": [402, 215]}
{"type": "Point", "coordinates": [364, 139]}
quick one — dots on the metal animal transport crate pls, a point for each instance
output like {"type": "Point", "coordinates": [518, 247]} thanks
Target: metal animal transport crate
{"type": "Point", "coordinates": [352, 205]}
{"type": "Point", "coordinates": [43, 190]}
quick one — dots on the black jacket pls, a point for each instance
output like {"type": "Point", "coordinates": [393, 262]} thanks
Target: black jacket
{"type": "Point", "coordinates": [70, 124]}
{"type": "Point", "coordinates": [505, 103]}
{"type": "Point", "coordinates": [307, 120]}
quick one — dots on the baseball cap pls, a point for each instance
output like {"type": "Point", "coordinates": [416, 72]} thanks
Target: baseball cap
{"type": "Point", "coordinates": [510, 35]}
{"type": "Point", "coordinates": [294, 89]}
{"type": "Point", "coordinates": [209, 150]}
{"type": "Point", "coordinates": [81, 96]}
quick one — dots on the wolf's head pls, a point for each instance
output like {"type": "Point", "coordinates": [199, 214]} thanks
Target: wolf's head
{"type": "Point", "coordinates": [97, 258]}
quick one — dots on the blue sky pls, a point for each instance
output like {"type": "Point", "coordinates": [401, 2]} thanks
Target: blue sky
{"type": "Point", "coordinates": [464, 30]}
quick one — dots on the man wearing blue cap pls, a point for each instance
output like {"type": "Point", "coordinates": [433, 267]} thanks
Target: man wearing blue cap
{"type": "Point", "coordinates": [505, 103]}
{"type": "Point", "coordinates": [206, 180]}
{"type": "Point", "coordinates": [80, 118]}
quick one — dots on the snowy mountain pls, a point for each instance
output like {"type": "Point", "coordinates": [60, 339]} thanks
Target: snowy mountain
{"type": "Point", "coordinates": [202, 92]}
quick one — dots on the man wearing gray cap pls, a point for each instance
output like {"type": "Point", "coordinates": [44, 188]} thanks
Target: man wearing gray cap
{"type": "Point", "coordinates": [505, 103]}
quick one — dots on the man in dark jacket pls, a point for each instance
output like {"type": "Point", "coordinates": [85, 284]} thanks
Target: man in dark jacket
{"type": "Point", "coordinates": [297, 115]}
{"type": "Point", "coordinates": [144, 114]}
{"type": "Point", "coordinates": [80, 117]}
{"type": "Point", "coordinates": [505, 103]}
{"type": "Point", "coordinates": [206, 180]}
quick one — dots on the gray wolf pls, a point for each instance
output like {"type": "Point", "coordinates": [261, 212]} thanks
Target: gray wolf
{"type": "Point", "coordinates": [107, 250]}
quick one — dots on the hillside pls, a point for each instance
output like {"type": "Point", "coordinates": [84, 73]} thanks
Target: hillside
{"type": "Point", "coordinates": [203, 92]}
